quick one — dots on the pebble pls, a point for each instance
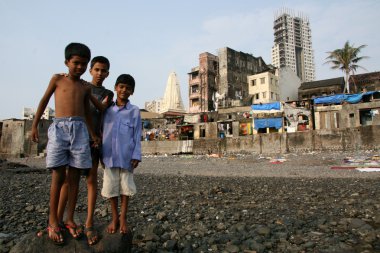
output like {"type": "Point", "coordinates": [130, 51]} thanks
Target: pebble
{"type": "Point", "coordinates": [201, 204]}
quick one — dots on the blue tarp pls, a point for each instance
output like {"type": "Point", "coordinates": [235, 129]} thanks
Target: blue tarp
{"type": "Point", "coordinates": [268, 122]}
{"type": "Point", "coordinates": [269, 106]}
{"type": "Point", "coordinates": [337, 99]}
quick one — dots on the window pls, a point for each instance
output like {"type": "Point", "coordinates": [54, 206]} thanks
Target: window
{"type": "Point", "coordinates": [264, 94]}
{"type": "Point", "coordinates": [257, 95]}
{"type": "Point", "coordinates": [253, 82]}
{"type": "Point", "coordinates": [262, 80]}
{"type": "Point", "coordinates": [271, 95]}
{"type": "Point", "coordinates": [271, 81]}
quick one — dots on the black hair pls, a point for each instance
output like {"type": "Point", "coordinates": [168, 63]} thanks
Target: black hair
{"type": "Point", "coordinates": [77, 49]}
{"type": "Point", "coordinates": [100, 59]}
{"type": "Point", "coordinates": [126, 79]}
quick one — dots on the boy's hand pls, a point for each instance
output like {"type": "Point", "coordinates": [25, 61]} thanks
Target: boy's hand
{"type": "Point", "coordinates": [105, 101]}
{"type": "Point", "coordinates": [134, 163]}
{"type": "Point", "coordinates": [34, 135]}
{"type": "Point", "coordinates": [96, 141]}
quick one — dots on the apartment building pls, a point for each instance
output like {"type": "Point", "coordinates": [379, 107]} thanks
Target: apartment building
{"type": "Point", "coordinates": [154, 106]}
{"type": "Point", "coordinates": [264, 87]}
{"type": "Point", "coordinates": [221, 81]}
{"type": "Point", "coordinates": [293, 45]}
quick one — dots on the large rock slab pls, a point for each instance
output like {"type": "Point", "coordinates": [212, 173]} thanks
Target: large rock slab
{"type": "Point", "coordinates": [109, 243]}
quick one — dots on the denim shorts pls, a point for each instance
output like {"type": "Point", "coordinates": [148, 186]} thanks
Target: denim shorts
{"type": "Point", "coordinates": [68, 144]}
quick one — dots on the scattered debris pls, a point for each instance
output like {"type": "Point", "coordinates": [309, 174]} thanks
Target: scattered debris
{"type": "Point", "coordinates": [363, 163]}
{"type": "Point", "coordinates": [368, 169]}
{"type": "Point", "coordinates": [277, 160]}
{"type": "Point", "coordinates": [215, 155]}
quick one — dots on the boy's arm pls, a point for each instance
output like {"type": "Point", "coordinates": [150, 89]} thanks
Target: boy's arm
{"type": "Point", "coordinates": [101, 106]}
{"type": "Point", "coordinates": [136, 156]}
{"type": "Point", "coordinates": [42, 105]}
{"type": "Point", "coordinates": [90, 125]}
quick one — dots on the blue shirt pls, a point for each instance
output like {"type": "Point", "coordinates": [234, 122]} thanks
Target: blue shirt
{"type": "Point", "coordinates": [121, 136]}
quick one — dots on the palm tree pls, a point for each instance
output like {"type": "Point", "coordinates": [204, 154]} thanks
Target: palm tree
{"type": "Point", "coordinates": [346, 59]}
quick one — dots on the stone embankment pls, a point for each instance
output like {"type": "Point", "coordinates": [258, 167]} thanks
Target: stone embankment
{"type": "Point", "coordinates": [246, 203]}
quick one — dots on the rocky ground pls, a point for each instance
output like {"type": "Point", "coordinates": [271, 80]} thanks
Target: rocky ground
{"type": "Point", "coordinates": [241, 203]}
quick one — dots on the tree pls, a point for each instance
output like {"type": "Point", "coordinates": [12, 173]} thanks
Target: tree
{"type": "Point", "coordinates": [346, 59]}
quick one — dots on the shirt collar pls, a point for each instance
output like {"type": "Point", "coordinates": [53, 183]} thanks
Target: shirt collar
{"type": "Point", "coordinates": [126, 106]}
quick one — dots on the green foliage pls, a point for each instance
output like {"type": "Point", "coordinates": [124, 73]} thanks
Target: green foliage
{"type": "Point", "coordinates": [346, 59]}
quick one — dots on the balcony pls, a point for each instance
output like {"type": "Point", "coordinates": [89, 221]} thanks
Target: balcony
{"type": "Point", "coordinates": [195, 95]}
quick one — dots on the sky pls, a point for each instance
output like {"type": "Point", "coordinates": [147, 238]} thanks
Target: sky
{"type": "Point", "coordinates": [151, 39]}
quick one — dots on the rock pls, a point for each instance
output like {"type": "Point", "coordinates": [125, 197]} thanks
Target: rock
{"type": "Point", "coordinates": [232, 248]}
{"type": "Point", "coordinates": [170, 244]}
{"type": "Point", "coordinates": [161, 216]}
{"type": "Point", "coordinates": [264, 231]}
{"type": "Point", "coordinates": [211, 204]}
{"type": "Point", "coordinates": [109, 243]}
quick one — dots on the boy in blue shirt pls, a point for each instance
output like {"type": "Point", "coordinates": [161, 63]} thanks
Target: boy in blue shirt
{"type": "Point", "coordinates": [121, 151]}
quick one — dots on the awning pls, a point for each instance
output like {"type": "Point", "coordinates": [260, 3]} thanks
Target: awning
{"type": "Point", "coordinates": [268, 122]}
{"type": "Point", "coordinates": [269, 106]}
{"type": "Point", "coordinates": [337, 99]}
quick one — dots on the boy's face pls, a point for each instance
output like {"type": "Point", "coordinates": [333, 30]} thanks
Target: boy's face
{"type": "Point", "coordinates": [123, 91]}
{"type": "Point", "coordinates": [77, 65]}
{"type": "Point", "coordinates": [99, 72]}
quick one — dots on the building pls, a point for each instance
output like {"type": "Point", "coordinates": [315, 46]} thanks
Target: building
{"type": "Point", "coordinates": [234, 67]}
{"type": "Point", "coordinates": [264, 87]}
{"type": "Point", "coordinates": [203, 84]}
{"type": "Point", "coordinates": [15, 138]}
{"type": "Point", "coordinates": [319, 88]}
{"type": "Point", "coordinates": [48, 114]}
{"type": "Point", "coordinates": [154, 106]}
{"type": "Point", "coordinates": [28, 113]}
{"type": "Point", "coordinates": [221, 81]}
{"type": "Point", "coordinates": [292, 45]}
{"type": "Point", "coordinates": [365, 82]}
{"type": "Point", "coordinates": [336, 112]}
{"type": "Point", "coordinates": [288, 83]}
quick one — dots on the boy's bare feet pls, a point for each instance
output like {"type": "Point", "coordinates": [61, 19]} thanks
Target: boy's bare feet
{"type": "Point", "coordinates": [92, 235]}
{"type": "Point", "coordinates": [123, 226]}
{"type": "Point", "coordinates": [112, 227]}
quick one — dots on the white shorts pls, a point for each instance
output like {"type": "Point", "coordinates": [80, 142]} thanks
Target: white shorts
{"type": "Point", "coordinates": [116, 182]}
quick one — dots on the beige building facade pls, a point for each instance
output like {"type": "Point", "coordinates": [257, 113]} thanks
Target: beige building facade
{"type": "Point", "coordinates": [263, 87]}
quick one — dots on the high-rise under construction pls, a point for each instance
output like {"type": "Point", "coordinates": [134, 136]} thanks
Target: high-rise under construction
{"type": "Point", "coordinates": [292, 44]}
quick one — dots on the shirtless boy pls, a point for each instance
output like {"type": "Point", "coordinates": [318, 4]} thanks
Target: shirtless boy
{"type": "Point", "coordinates": [101, 98]}
{"type": "Point", "coordinates": [68, 135]}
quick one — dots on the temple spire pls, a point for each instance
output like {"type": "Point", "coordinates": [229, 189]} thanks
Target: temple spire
{"type": "Point", "coordinates": [172, 101]}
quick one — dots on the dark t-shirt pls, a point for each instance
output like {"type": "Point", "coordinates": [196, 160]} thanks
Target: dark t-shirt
{"type": "Point", "coordinates": [99, 92]}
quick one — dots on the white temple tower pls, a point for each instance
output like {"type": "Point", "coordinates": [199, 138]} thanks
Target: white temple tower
{"type": "Point", "coordinates": [172, 101]}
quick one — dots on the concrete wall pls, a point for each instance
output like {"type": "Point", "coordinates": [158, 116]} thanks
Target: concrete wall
{"type": "Point", "coordinates": [344, 116]}
{"type": "Point", "coordinates": [15, 138]}
{"type": "Point", "coordinates": [15, 141]}
{"type": "Point", "coordinates": [167, 147]}
{"type": "Point", "coordinates": [359, 138]}
{"type": "Point", "coordinates": [12, 138]}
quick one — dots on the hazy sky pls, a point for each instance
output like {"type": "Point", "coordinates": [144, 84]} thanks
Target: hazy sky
{"type": "Point", "coordinates": [150, 39]}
